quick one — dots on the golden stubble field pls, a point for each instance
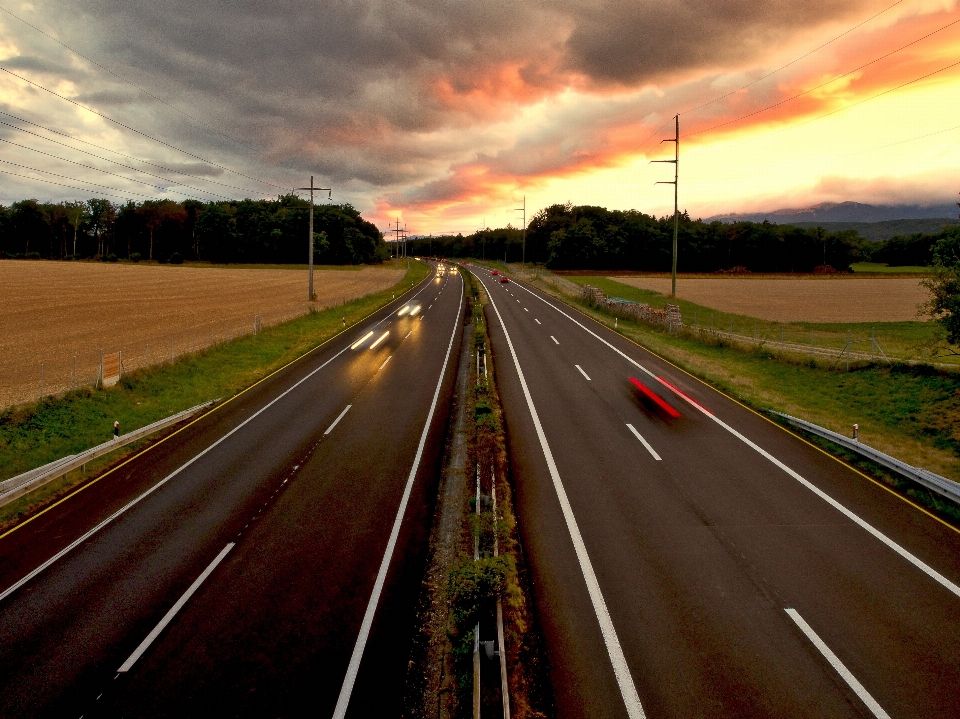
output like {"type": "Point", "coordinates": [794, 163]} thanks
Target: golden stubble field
{"type": "Point", "coordinates": [813, 299]}
{"type": "Point", "coordinates": [52, 312]}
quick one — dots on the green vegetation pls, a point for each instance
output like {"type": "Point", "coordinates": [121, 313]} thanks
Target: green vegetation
{"type": "Point", "coordinates": [862, 268]}
{"type": "Point", "coordinates": [259, 231]}
{"type": "Point", "coordinates": [32, 435]}
{"type": "Point", "coordinates": [474, 586]}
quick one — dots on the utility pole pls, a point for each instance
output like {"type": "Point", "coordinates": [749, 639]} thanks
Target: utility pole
{"type": "Point", "coordinates": [311, 295]}
{"type": "Point", "coordinates": [523, 251]}
{"type": "Point", "coordinates": [676, 215]}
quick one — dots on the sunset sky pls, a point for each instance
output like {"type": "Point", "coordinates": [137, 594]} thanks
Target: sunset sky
{"type": "Point", "coordinates": [445, 114]}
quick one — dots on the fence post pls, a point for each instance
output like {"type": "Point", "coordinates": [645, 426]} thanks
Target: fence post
{"type": "Point", "coordinates": [847, 350]}
{"type": "Point", "coordinates": [873, 342]}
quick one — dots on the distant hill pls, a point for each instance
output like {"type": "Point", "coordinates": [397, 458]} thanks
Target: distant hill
{"type": "Point", "coordinates": [844, 212]}
{"type": "Point", "coordinates": [878, 231]}
{"type": "Point", "coordinates": [874, 222]}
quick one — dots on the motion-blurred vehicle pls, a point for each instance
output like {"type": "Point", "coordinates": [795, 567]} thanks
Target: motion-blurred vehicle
{"type": "Point", "coordinates": [495, 273]}
{"type": "Point", "coordinates": [504, 279]}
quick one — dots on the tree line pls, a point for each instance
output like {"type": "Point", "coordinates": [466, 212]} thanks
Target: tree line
{"type": "Point", "coordinates": [241, 231]}
{"type": "Point", "coordinates": [586, 237]}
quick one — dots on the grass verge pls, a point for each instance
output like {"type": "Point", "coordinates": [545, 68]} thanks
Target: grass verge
{"type": "Point", "coordinates": [33, 434]}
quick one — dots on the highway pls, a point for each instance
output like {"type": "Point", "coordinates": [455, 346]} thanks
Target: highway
{"type": "Point", "coordinates": [692, 559]}
{"type": "Point", "coordinates": [265, 560]}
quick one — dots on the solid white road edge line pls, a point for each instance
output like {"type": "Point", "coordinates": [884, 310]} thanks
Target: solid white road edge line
{"type": "Point", "coordinates": [644, 442]}
{"type": "Point", "coordinates": [339, 417]}
{"type": "Point", "coordinates": [620, 669]}
{"type": "Point", "coordinates": [353, 667]}
{"type": "Point", "coordinates": [145, 644]}
{"type": "Point", "coordinates": [582, 372]}
{"type": "Point", "coordinates": [835, 662]}
{"type": "Point", "coordinates": [77, 542]}
{"type": "Point", "coordinates": [915, 561]}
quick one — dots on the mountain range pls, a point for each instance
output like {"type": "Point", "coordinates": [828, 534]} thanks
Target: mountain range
{"type": "Point", "coordinates": [845, 212]}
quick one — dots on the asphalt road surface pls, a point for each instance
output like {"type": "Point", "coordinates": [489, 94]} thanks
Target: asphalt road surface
{"type": "Point", "coordinates": [265, 561]}
{"type": "Point", "coordinates": [708, 564]}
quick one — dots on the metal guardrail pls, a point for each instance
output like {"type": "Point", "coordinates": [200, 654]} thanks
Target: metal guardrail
{"type": "Point", "coordinates": [11, 489]}
{"type": "Point", "coordinates": [941, 485]}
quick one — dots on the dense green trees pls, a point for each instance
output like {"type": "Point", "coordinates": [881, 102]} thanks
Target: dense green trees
{"type": "Point", "coordinates": [267, 231]}
{"type": "Point", "coordinates": [944, 285]}
{"type": "Point", "coordinates": [569, 237]}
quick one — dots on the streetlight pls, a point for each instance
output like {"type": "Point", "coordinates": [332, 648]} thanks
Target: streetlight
{"type": "Point", "coordinates": [310, 245]}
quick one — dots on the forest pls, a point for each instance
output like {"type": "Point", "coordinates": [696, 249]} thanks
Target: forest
{"type": "Point", "coordinates": [587, 237]}
{"type": "Point", "coordinates": [244, 231]}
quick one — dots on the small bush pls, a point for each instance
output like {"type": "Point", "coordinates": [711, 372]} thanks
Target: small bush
{"type": "Point", "coordinates": [135, 257]}
{"type": "Point", "coordinates": [176, 259]}
{"type": "Point", "coordinates": [111, 257]}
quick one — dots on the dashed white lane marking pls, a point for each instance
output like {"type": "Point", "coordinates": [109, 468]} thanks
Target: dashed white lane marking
{"type": "Point", "coordinates": [337, 420]}
{"type": "Point", "coordinates": [644, 442]}
{"type": "Point", "coordinates": [582, 372]}
{"type": "Point", "coordinates": [145, 644]}
{"type": "Point", "coordinates": [554, 339]}
{"type": "Point", "coordinates": [346, 689]}
{"type": "Point", "coordinates": [915, 561]}
{"type": "Point", "coordinates": [525, 309]}
{"type": "Point", "coordinates": [618, 660]}
{"type": "Point", "coordinates": [408, 334]}
{"type": "Point", "coordinates": [835, 662]}
{"type": "Point", "coordinates": [384, 363]}
{"type": "Point", "coordinates": [537, 321]}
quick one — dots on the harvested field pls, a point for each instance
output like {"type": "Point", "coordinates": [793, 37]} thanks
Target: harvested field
{"type": "Point", "coordinates": [813, 299]}
{"type": "Point", "coordinates": [53, 312]}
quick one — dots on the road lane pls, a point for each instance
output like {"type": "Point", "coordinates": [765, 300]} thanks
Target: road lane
{"type": "Point", "coordinates": [699, 554]}
{"type": "Point", "coordinates": [64, 633]}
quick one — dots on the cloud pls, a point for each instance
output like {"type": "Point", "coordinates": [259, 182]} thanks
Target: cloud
{"type": "Point", "coordinates": [431, 103]}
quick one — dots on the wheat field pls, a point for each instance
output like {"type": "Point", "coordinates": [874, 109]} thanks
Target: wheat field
{"type": "Point", "coordinates": [61, 314]}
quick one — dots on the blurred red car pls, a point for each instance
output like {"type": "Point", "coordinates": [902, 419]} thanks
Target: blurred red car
{"type": "Point", "coordinates": [495, 273]}
{"type": "Point", "coordinates": [504, 278]}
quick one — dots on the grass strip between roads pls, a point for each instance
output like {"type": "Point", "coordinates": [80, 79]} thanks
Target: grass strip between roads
{"type": "Point", "coordinates": [34, 434]}
{"type": "Point", "coordinates": [911, 412]}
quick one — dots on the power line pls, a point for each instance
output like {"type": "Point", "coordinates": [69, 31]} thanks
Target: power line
{"type": "Point", "coordinates": [824, 84]}
{"type": "Point", "coordinates": [901, 142]}
{"type": "Point", "coordinates": [119, 77]}
{"type": "Point", "coordinates": [792, 62]}
{"type": "Point", "coordinates": [73, 179]}
{"type": "Point", "coordinates": [132, 129]}
{"type": "Point", "coordinates": [60, 184]}
{"type": "Point", "coordinates": [122, 177]}
{"type": "Point", "coordinates": [769, 74]}
{"type": "Point", "coordinates": [115, 152]}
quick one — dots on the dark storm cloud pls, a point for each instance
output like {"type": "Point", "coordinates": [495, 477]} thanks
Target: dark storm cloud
{"type": "Point", "coordinates": [352, 88]}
